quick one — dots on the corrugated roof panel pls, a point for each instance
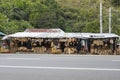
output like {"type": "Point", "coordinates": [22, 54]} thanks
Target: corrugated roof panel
{"type": "Point", "coordinates": [72, 35]}
{"type": "Point", "coordinates": [45, 30]}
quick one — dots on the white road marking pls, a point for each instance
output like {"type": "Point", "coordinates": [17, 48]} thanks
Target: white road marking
{"type": "Point", "coordinates": [116, 60]}
{"type": "Point", "coordinates": [59, 68]}
{"type": "Point", "coordinates": [24, 58]}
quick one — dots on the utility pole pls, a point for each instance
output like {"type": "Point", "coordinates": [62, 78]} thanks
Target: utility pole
{"type": "Point", "coordinates": [101, 16]}
{"type": "Point", "coordinates": [110, 20]}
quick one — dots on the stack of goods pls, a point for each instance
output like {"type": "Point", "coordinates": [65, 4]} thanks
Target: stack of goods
{"type": "Point", "coordinates": [13, 46]}
{"type": "Point", "coordinates": [37, 46]}
{"type": "Point", "coordinates": [43, 49]}
{"type": "Point", "coordinates": [92, 51]}
{"type": "Point", "coordinates": [118, 50]}
{"type": "Point", "coordinates": [70, 50]}
{"type": "Point", "coordinates": [105, 50]}
{"type": "Point", "coordinates": [70, 46]}
{"type": "Point", "coordinates": [95, 46]}
{"type": "Point", "coordinates": [3, 50]}
{"type": "Point", "coordinates": [98, 42]}
{"type": "Point", "coordinates": [22, 45]}
{"type": "Point", "coordinates": [39, 49]}
{"type": "Point", "coordinates": [55, 49]}
{"type": "Point", "coordinates": [100, 47]}
{"type": "Point", "coordinates": [22, 49]}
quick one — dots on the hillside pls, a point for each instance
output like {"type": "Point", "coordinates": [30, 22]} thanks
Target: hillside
{"type": "Point", "coordinates": [69, 15]}
{"type": "Point", "coordinates": [90, 10]}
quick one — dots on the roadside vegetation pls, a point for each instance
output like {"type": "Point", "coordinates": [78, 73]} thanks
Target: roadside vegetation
{"type": "Point", "coordinates": [69, 15]}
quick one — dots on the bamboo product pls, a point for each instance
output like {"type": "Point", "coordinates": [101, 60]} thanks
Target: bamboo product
{"type": "Point", "coordinates": [94, 42]}
{"type": "Point", "coordinates": [101, 42]}
{"type": "Point", "coordinates": [73, 50]}
{"type": "Point", "coordinates": [95, 51]}
{"type": "Point", "coordinates": [36, 50]}
{"type": "Point", "coordinates": [111, 41]}
{"type": "Point", "coordinates": [69, 50]}
{"type": "Point", "coordinates": [69, 40]}
{"type": "Point", "coordinates": [99, 51]}
{"type": "Point", "coordinates": [3, 50]}
{"type": "Point", "coordinates": [72, 39]}
{"type": "Point", "coordinates": [97, 42]}
{"type": "Point", "coordinates": [43, 50]}
{"type": "Point", "coordinates": [22, 49]}
{"type": "Point", "coordinates": [92, 51]}
{"type": "Point", "coordinates": [56, 51]}
{"type": "Point", "coordinates": [118, 50]}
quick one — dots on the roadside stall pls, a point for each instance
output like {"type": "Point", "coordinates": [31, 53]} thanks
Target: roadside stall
{"type": "Point", "coordinates": [60, 42]}
{"type": "Point", "coordinates": [72, 44]}
{"type": "Point", "coordinates": [3, 44]}
{"type": "Point", "coordinates": [103, 44]}
{"type": "Point", "coordinates": [118, 47]}
{"type": "Point", "coordinates": [35, 42]}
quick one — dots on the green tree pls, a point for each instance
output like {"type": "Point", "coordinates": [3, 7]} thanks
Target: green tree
{"type": "Point", "coordinates": [115, 2]}
{"type": "Point", "coordinates": [69, 15]}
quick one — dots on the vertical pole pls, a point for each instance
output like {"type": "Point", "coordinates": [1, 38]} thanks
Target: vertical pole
{"type": "Point", "coordinates": [110, 20]}
{"type": "Point", "coordinates": [100, 16]}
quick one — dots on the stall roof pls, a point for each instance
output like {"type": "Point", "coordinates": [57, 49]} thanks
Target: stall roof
{"type": "Point", "coordinates": [60, 35]}
{"type": "Point", "coordinates": [36, 35]}
{"type": "Point", "coordinates": [102, 35]}
{"type": "Point", "coordinates": [90, 35]}
{"type": "Point", "coordinates": [45, 30]}
{"type": "Point", "coordinates": [72, 35]}
{"type": "Point", "coordinates": [24, 34]}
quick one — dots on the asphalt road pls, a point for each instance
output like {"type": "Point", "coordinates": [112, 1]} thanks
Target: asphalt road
{"type": "Point", "coordinates": [59, 67]}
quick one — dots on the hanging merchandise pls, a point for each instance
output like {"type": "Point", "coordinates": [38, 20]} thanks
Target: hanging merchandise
{"type": "Point", "coordinates": [101, 42]}
{"type": "Point", "coordinates": [28, 45]}
{"type": "Point", "coordinates": [83, 43]}
{"type": "Point", "coordinates": [111, 41]}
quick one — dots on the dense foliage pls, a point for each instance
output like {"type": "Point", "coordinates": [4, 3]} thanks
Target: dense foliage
{"type": "Point", "coordinates": [69, 15]}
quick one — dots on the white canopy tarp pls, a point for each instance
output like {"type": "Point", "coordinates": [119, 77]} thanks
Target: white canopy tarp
{"type": "Point", "coordinates": [24, 34]}
{"type": "Point", "coordinates": [59, 35]}
{"type": "Point", "coordinates": [72, 35]}
{"type": "Point", "coordinates": [35, 35]}
{"type": "Point", "coordinates": [103, 35]}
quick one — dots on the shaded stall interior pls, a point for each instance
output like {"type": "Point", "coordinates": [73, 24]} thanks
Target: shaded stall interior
{"type": "Point", "coordinates": [48, 45]}
{"type": "Point", "coordinates": [99, 46]}
{"type": "Point", "coordinates": [103, 46]}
